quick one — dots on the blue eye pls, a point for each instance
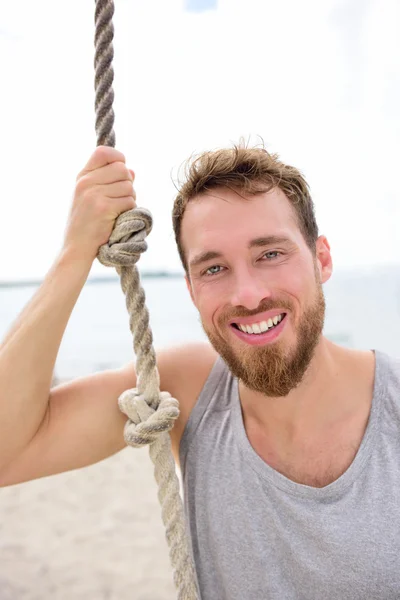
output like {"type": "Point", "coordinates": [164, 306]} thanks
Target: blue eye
{"type": "Point", "coordinates": [276, 252]}
{"type": "Point", "coordinates": [210, 270]}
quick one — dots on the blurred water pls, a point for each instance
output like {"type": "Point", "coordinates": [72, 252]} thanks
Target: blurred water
{"type": "Point", "coordinates": [363, 311]}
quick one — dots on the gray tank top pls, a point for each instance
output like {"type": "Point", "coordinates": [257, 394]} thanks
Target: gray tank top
{"type": "Point", "coordinates": [258, 535]}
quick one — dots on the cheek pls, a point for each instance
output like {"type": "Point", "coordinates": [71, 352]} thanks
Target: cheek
{"type": "Point", "coordinates": [301, 280]}
{"type": "Point", "coordinates": [299, 284]}
{"type": "Point", "coordinates": [209, 301]}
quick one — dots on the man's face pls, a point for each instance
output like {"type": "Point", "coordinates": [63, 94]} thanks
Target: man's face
{"type": "Point", "coordinates": [249, 268]}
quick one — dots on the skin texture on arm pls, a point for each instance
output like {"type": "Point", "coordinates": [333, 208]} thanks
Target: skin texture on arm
{"type": "Point", "coordinates": [28, 353]}
{"type": "Point", "coordinates": [84, 425]}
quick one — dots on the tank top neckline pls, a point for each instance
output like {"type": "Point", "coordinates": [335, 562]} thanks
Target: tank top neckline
{"type": "Point", "coordinates": [336, 488]}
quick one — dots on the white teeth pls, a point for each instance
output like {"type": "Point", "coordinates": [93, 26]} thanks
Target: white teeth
{"type": "Point", "coordinates": [261, 327]}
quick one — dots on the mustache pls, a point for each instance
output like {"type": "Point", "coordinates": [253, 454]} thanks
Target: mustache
{"type": "Point", "coordinates": [265, 305]}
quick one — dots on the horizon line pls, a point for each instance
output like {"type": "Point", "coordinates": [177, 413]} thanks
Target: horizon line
{"type": "Point", "coordinates": [92, 280]}
{"type": "Point", "coordinates": [163, 273]}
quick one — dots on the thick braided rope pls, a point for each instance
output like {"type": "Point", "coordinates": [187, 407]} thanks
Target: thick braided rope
{"type": "Point", "coordinates": [151, 413]}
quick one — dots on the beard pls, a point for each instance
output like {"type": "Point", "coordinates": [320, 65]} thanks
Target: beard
{"type": "Point", "coordinates": [271, 369]}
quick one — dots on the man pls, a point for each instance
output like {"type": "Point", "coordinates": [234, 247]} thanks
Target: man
{"type": "Point", "coordinates": [289, 445]}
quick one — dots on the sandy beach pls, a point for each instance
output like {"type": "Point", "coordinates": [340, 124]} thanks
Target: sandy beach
{"type": "Point", "coordinates": [93, 534]}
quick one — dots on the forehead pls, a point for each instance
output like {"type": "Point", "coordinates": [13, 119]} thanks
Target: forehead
{"type": "Point", "coordinates": [222, 218]}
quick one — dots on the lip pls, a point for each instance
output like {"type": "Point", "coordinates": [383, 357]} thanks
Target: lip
{"type": "Point", "coordinates": [260, 339]}
{"type": "Point", "coordinates": [269, 314]}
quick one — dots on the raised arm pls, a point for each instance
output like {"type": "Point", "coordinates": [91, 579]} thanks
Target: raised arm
{"type": "Point", "coordinates": [28, 352]}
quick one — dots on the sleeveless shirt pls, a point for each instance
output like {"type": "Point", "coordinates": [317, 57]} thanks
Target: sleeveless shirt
{"type": "Point", "coordinates": [257, 535]}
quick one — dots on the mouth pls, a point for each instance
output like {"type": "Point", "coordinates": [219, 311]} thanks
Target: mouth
{"type": "Point", "coordinates": [264, 332]}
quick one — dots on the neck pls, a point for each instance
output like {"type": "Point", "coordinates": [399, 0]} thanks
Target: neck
{"type": "Point", "coordinates": [323, 398]}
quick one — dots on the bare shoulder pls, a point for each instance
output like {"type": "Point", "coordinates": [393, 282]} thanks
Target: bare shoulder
{"type": "Point", "coordinates": [183, 370]}
{"type": "Point", "coordinates": [183, 373]}
{"type": "Point", "coordinates": [83, 423]}
{"type": "Point", "coordinates": [185, 366]}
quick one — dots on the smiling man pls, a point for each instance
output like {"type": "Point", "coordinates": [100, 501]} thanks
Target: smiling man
{"type": "Point", "coordinates": [288, 444]}
{"type": "Point", "coordinates": [246, 291]}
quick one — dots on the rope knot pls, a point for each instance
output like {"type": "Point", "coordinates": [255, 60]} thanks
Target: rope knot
{"type": "Point", "coordinates": [145, 424]}
{"type": "Point", "coordinates": [127, 240]}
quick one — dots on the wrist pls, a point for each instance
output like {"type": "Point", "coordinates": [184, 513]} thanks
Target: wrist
{"type": "Point", "coordinates": [76, 257]}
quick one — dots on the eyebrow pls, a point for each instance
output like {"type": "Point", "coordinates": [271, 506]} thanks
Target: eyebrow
{"type": "Point", "coordinates": [269, 240]}
{"type": "Point", "coordinates": [256, 243]}
{"type": "Point", "coordinates": [204, 257]}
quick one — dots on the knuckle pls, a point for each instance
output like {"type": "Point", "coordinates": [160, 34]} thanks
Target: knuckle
{"type": "Point", "coordinates": [82, 184]}
{"type": "Point", "coordinates": [127, 203]}
{"type": "Point", "coordinates": [90, 197]}
{"type": "Point", "coordinates": [109, 153]}
{"type": "Point", "coordinates": [92, 194]}
{"type": "Point", "coordinates": [120, 170]}
{"type": "Point", "coordinates": [102, 152]}
{"type": "Point", "coordinates": [102, 207]}
{"type": "Point", "coordinates": [128, 188]}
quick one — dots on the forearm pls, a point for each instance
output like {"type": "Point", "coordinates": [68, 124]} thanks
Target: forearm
{"type": "Point", "coordinates": [29, 351]}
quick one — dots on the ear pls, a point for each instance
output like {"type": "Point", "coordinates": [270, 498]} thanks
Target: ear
{"type": "Point", "coordinates": [324, 259]}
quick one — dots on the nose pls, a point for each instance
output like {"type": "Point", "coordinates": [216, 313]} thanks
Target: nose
{"type": "Point", "coordinates": [248, 291]}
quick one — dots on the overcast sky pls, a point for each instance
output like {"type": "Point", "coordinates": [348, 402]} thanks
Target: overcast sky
{"type": "Point", "coordinates": [319, 81]}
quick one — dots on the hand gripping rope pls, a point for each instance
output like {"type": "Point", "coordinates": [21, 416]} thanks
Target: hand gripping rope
{"type": "Point", "coordinates": [151, 413]}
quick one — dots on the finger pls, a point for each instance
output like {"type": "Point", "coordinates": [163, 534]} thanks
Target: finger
{"type": "Point", "coordinates": [132, 173]}
{"type": "Point", "coordinates": [124, 204]}
{"type": "Point", "coordinates": [119, 189]}
{"type": "Point", "coordinates": [111, 173]}
{"type": "Point", "coordinates": [102, 156]}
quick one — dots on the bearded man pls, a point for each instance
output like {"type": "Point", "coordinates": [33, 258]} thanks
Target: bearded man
{"type": "Point", "coordinates": [289, 445]}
